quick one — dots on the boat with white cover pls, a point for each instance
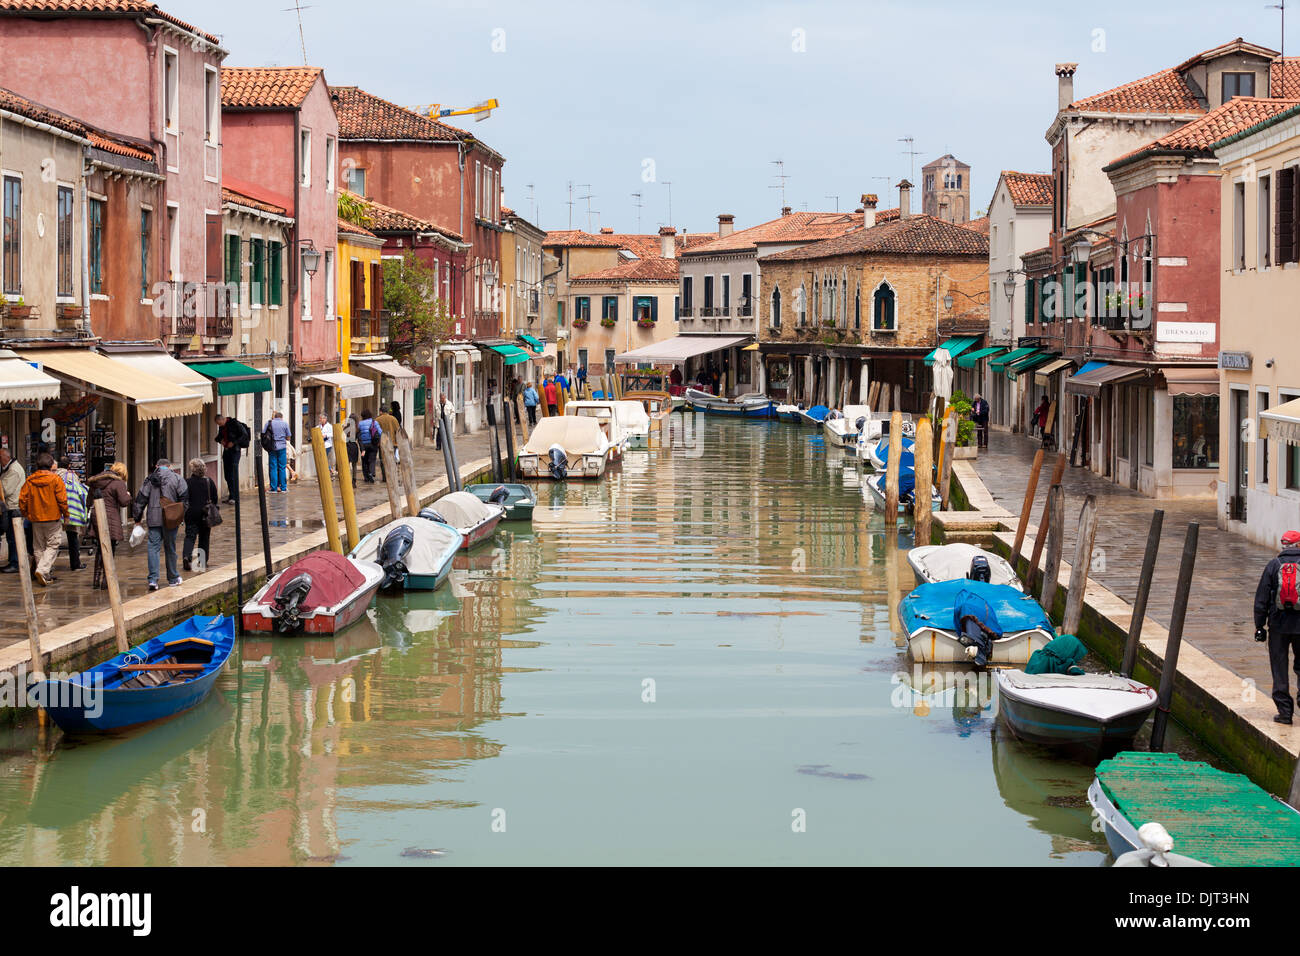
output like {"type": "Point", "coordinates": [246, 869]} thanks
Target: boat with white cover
{"type": "Point", "coordinates": [565, 446]}
{"type": "Point", "coordinates": [842, 428]}
{"type": "Point", "coordinates": [605, 412]}
{"type": "Point", "coordinates": [415, 553]}
{"type": "Point", "coordinates": [1095, 712]}
{"type": "Point", "coordinates": [947, 562]}
{"type": "Point", "coordinates": [473, 517]}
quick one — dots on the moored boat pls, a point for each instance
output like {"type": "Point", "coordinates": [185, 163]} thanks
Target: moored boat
{"type": "Point", "coordinates": [563, 447]}
{"type": "Point", "coordinates": [842, 428]}
{"type": "Point", "coordinates": [788, 413]}
{"type": "Point", "coordinates": [948, 562]}
{"type": "Point", "coordinates": [876, 453]}
{"type": "Point", "coordinates": [1091, 713]}
{"type": "Point", "coordinates": [518, 500]}
{"type": "Point", "coordinates": [742, 406]}
{"type": "Point", "coordinates": [475, 520]}
{"type": "Point", "coordinates": [319, 594]}
{"type": "Point", "coordinates": [875, 485]}
{"type": "Point", "coordinates": [658, 406]}
{"type": "Point", "coordinates": [813, 417]}
{"type": "Point", "coordinates": [415, 553]}
{"type": "Point", "coordinates": [634, 422]}
{"type": "Point", "coordinates": [935, 618]}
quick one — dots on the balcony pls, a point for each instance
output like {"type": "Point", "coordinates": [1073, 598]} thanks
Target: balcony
{"type": "Point", "coordinates": [480, 325]}
{"type": "Point", "coordinates": [205, 309]}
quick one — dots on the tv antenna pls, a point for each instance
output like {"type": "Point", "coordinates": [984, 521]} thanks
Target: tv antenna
{"type": "Point", "coordinates": [570, 204]}
{"type": "Point", "coordinates": [781, 177]}
{"type": "Point", "coordinates": [670, 201]}
{"type": "Point", "coordinates": [1282, 69]}
{"type": "Point", "coordinates": [911, 155]}
{"type": "Point", "coordinates": [532, 201]}
{"type": "Point", "coordinates": [589, 197]}
{"type": "Point", "coordinates": [837, 201]}
{"type": "Point", "coordinates": [298, 8]}
{"type": "Point", "coordinates": [638, 203]}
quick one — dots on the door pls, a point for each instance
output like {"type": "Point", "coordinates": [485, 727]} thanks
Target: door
{"type": "Point", "coordinates": [1135, 437]}
{"type": "Point", "coordinates": [1241, 450]}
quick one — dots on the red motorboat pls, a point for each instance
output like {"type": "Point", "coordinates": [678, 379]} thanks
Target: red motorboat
{"type": "Point", "coordinates": [472, 517]}
{"type": "Point", "coordinates": [321, 594]}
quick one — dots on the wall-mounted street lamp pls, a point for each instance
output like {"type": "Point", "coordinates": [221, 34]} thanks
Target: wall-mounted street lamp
{"type": "Point", "coordinates": [310, 257]}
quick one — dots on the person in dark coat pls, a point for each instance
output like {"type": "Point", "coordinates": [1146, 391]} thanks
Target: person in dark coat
{"type": "Point", "coordinates": [111, 487]}
{"type": "Point", "coordinates": [980, 416]}
{"type": "Point", "coordinates": [202, 489]}
{"type": "Point", "coordinates": [395, 410]}
{"type": "Point", "coordinates": [233, 436]}
{"type": "Point", "coordinates": [1277, 621]}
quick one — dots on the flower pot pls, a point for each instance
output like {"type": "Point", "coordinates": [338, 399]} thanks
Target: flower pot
{"type": "Point", "coordinates": [965, 452]}
{"type": "Point", "coordinates": [19, 312]}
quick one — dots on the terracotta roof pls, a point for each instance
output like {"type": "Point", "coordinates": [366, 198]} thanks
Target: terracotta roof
{"type": "Point", "coordinates": [238, 198]}
{"type": "Point", "coordinates": [1198, 136]}
{"type": "Point", "coordinates": [796, 227]}
{"type": "Point", "coordinates": [1029, 189]}
{"type": "Point", "coordinates": [352, 229]}
{"type": "Point", "coordinates": [576, 237]}
{"type": "Point", "coordinates": [275, 202]}
{"type": "Point", "coordinates": [640, 270]}
{"type": "Point", "coordinates": [387, 219]}
{"type": "Point", "coordinates": [507, 211]}
{"type": "Point", "coordinates": [641, 245]}
{"type": "Point", "coordinates": [1163, 92]}
{"type": "Point", "coordinates": [1285, 77]}
{"type": "Point", "coordinates": [917, 235]}
{"type": "Point", "coordinates": [365, 116]}
{"type": "Point", "coordinates": [43, 114]}
{"type": "Point", "coordinates": [260, 88]}
{"type": "Point", "coordinates": [1239, 45]}
{"type": "Point", "coordinates": [96, 8]}
{"type": "Point", "coordinates": [980, 225]}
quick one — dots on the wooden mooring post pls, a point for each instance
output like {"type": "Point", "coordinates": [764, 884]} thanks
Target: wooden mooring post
{"type": "Point", "coordinates": [347, 493]}
{"type": "Point", "coordinates": [328, 509]}
{"type": "Point", "coordinates": [1083, 545]}
{"type": "Point", "coordinates": [949, 450]}
{"type": "Point", "coordinates": [1040, 541]}
{"type": "Point", "coordinates": [1031, 491]}
{"type": "Point", "coordinates": [407, 470]}
{"type": "Point", "coordinates": [892, 468]}
{"type": "Point", "coordinates": [511, 460]}
{"type": "Point", "coordinates": [1169, 670]}
{"type": "Point", "coordinates": [924, 482]}
{"type": "Point", "coordinates": [29, 601]}
{"type": "Point", "coordinates": [493, 443]}
{"type": "Point", "coordinates": [449, 442]}
{"type": "Point", "coordinates": [109, 561]}
{"type": "Point", "coordinates": [390, 475]}
{"type": "Point", "coordinates": [1055, 544]}
{"type": "Point", "coordinates": [1143, 591]}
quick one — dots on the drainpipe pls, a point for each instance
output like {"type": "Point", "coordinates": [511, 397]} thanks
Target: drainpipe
{"type": "Point", "coordinates": [85, 241]}
{"type": "Point", "coordinates": [295, 273]}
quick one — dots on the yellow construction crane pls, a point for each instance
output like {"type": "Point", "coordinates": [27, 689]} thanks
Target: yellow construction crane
{"type": "Point", "coordinates": [480, 111]}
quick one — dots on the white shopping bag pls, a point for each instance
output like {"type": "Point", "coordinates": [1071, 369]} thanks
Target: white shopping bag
{"type": "Point", "coordinates": [138, 534]}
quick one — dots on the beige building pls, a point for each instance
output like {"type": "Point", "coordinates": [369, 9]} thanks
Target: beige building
{"type": "Point", "coordinates": [521, 285]}
{"type": "Point", "coordinates": [1259, 358]}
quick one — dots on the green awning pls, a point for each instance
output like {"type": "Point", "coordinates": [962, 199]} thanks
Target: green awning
{"type": "Point", "coordinates": [1015, 355]}
{"type": "Point", "coordinates": [955, 346]}
{"type": "Point", "coordinates": [970, 358]}
{"type": "Point", "coordinates": [533, 343]}
{"type": "Point", "coordinates": [512, 354]}
{"type": "Point", "coordinates": [234, 378]}
{"type": "Point", "coordinates": [1031, 363]}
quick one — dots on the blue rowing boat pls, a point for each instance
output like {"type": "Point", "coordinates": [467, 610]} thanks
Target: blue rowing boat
{"type": "Point", "coordinates": [160, 678]}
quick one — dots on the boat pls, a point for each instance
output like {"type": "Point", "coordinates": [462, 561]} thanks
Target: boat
{"type": "Point", "coordinates": [606, 413]}
{"type": "Point", "coordinates": [814, 416]}
{"type": "Point", "coordinates": [565, 446]}
{"type": "Point", "coordinates": [634, 421]}
{"type": "Point", "coordinates": [518, 500]}
{"type": "Point", "coordinates": [789, 413]}
{"type": "Point", "coordinates": [319, 594]}
{"type": "Point", "coordinates": [415, 553]}
{"type": "Point", "coordinates": [658, 406]}
{"type": "Point", "coordinates": [742, 406]}
{"type": "Point", "coordinates": [1095, 713]}
{"type": "Point", "coordinates": [876, 453]}
{"type": "Point", "coordinates": [875, 485]}
{"type": "Point", "coordinates": [929, 618]}
{"type": "Point", "coordinates": [842, 428]}
{"type": "Point", "coordinates": [947, 562]}
{"type": "Point", "coordinates": [476, 520]}
{"type": "Point", "coordinates": [1212, 816]}
{"type": "Point", "coordinates": [164, 676]}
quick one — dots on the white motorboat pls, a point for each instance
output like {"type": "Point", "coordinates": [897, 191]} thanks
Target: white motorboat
{"type": "Point", "coordinates": [566, 446]}
{"type": "Point", "coordinates": [842, 428]}
{"type": "Point", "coordinates": [1095, 712]}
{"type": "Point", "coordinates": [930, 617]}
{"type": "Point", "coordinates": [469, 514]}
{"type": "Point", "coordinates": [875, 451]}
{"type": "Point", "coordinates": [945, 562]}
{"type": "Point", "coordinates": [415, 553]}
{"type": "Point", "coordinates": [634, 421]}
{"type": "Point", "coordinates": [606, 412]}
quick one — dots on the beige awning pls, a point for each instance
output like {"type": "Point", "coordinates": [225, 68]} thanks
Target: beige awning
{"type": "Point", "coordinates": [403, 377]}
{"type": "Point", "coordinates": [1043, 375]}
{"type": "Point", "coordinates": [154, 398]}
{"type": "Point", "coordinates": [349, 386]}
{"type": "Point", "coordinates": [1282, 423]}
{"type": "Point", "coordinates": [20, 382]}
{"type": "Point", "coordinates": [1192, 381]}
{"type": "Point", "coordinates": [159, 363]}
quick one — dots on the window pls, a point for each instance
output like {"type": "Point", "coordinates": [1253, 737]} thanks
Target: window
{"type": "Point", "coordinates": [609, 307]}
{"type": "Point", "coordinates": [609, 360]}
{"type": "Point", "coordinates": [1148, 426]}
{"type": "Point", "coordinates": [677, 307]}
{"type": "Point", "coordinates": [776, 308]}
{"type": "Point", "coordinates": [13, 236]}
{"type": "Point", "coordinates": [304, 157]}
{"type": "Point", "coordinates": [1122, 426]}
{"type": "Point", "coordinates": [211, 105]}
{"type": "Point", "coordinates": [857, 307]}
{"type": "Point", "coordinates": [171, 91]}
{"type": "Point", "coordinates": [65, 241]}
{"type": "Point", "coordinates": [329, 163]}
{"type": "Point", "coordinates": [1239, 226]}
{"type": "Point", "coordinates": [1196, 431]}
{"type": "Point", "coordinates": [357, 180]}
{"type": "Point", "coordinates": [97, 246]}
{"type": "Point", "coordinates": [329, 284]}
{"type": "Point", "coordinates": [1238, 84]}
{"type": "Point", "coordinates": [146, 221]}
{"type": "Point", "coordinates": [582, 358]}
{"type": "Point", "coordinates": [708, 295]}
{"type": "Point", "coordinates": [478, 189]}
{"type": "Point", "coordinates": [304, 287]}
{"type": "Point", "coordinates": [234, 268]}
{"type": "Point", "coordinates": [1029, 301]}
{"type": "Point", "coordinates": [801, 304]}
{"type": "Point", "coordinates": [1288, 216]}
{"type": "Point", "coordinates": [256, 297]}
{"type": "Point", "coordinates": [726, 294]}
{"type": "Point", "coordinates": [645, 308]}
{"type": "Point", "coordinates": [1261, 450]}
{"type": "Point", "coordinates": [559, 315]}
{"type": "Point", "coordinates": [581, 309]}
{"type": "Point", "coordinates": [275, 257]}
{"type": "Point", "coordinates": [688, 284]}
{"type": "Point", "coordinates": [1264, 239]}
{"type": "Point", "coordinates": [746, 294]}
{"type": "Point", "coordinates": [882, 311]}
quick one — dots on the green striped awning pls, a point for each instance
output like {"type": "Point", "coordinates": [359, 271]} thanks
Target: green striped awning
{"type": "Point", "coordinates": [1015, 355]}
{"type": "Point", "coordinates": [234, 378]}
{"type": "Point", "coordinates": [512, 354]}
{"type": "Point", "coordinates": [1030, 363]}
{"type": "Point", "coordinates": [533, 343]}
{"type": "Point", "coordinates": [955, 346]}
{"type": "Point", "coordinates": [970, 358]}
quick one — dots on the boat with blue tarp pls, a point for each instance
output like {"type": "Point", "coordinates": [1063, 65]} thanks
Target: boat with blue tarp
{"type": "Point", "coordinates": [974, 621]}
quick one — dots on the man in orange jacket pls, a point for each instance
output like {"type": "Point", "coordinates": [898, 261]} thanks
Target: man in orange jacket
{"type": "Point", "coordinates": [44, 502]}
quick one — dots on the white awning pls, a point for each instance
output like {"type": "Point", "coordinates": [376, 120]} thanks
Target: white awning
{"type": "Point", "coordinates": [158, 363]}
{"type": "Point", "coordinates": [21, 382]}
{"type": "Point", "coordinates": [679, 348]}
{"type": "Point", "coordinates": [349, 386]}
{"type": "Point", "coordinates": [154, 398]}
{"type": "Point", "coordinates": [403, 377]}
{"type": "Point", "coordinates": [1282, 423]}
{"type": "Point", "coordinates": [464, 351]}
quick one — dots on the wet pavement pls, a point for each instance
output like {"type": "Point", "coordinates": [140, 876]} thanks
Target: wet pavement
{"type": "Point", "coordinates": [1219, 620]}
{"type": "Point", "coordinates": [289, 516]}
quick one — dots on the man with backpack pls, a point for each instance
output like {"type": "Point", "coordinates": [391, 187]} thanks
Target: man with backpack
{"type": "Point", "coordinates": [1277, 606]}
{"type": "Point", "coordinates": [368, 433]}
{"type": "Point", "coordinates": [233, 436]}
{"type": "Point", "coordinates": [44, 502]}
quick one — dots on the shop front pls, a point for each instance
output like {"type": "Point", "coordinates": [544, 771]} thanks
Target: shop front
{"type": "Point", "coordinates": [23, 393]}
{"type": "Point", "coordinates": [241, 392]}
{"type": "Point", "coordinates": [325, 393]}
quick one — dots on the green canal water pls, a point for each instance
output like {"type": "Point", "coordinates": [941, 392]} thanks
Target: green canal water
{"type": "Point", "coordinates": [694, 661]}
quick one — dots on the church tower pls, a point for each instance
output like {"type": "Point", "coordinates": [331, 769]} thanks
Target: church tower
{"type": "Point", "coordinates": [945, 189]}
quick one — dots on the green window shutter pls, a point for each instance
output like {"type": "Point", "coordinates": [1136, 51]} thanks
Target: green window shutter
{"type": "Point", "coordinates": [654, 308]}
{"type": "Point", "coordinates": [1029, 301]}
{"type": "Point", "coordinates": [277, 273]}
{"type": "Point", "coordinates": [233, 269]}
{"type": "Point", "coordinates": [256, 295]}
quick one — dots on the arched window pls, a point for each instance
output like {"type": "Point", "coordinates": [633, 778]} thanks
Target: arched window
{"type": "Point", "coordinates": [857, 307]}
{"type": "Point", "coordinates": [844, 298]}
{"type": "Point", "coordinates": [882, 309]}
{"type": "Point", "coordinates": [776, 308]}
{"type": "Point", "coordinates": [801, 304]}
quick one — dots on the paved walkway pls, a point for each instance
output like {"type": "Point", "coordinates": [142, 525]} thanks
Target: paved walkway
{"type": "Point", "coordinates": [1220, 619]}
{"type": "Point", "coordinates": [289, 515]}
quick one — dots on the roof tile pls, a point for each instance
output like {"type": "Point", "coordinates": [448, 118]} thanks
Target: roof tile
{"type": "Point", "coordinates": [97, 8]}
{"type": "Point", "coordinates": [1239, 113]}
{"type": "Point", "coordinates": [1028, 189]}
{"type": "Point", "coordinates": [916, 235]}
{"type": "Point", "coordinates": [365, 116]}
{"type": "Point", "coordinates": [266, 87]}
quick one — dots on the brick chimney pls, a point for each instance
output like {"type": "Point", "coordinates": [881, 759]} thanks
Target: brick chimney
{"type": "Point", "coordinates": [1065, 84]}
{"type": "Point", "coordinates": [869, 202]}
{"type": "Point", "coordinates": [726, 224]}
{"type": "Point", "coordinates": [785, 210]}
{"type": "Point", "coordinates": [607, 230]}
{"type": "Point", "coordinates": [904, 199]}
{"type": "Point", "coordinates": [668, 242]}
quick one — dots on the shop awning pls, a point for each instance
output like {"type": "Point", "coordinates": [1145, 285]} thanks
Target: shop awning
{"type": "Point", "coordinates": [1088, 381]}
{"type": "Point", "coordinates": [1192, 381]}
{"type": "Point", "coordinates": [462, 348]}
{"type": "Point", "coordinates": [159, 363]}
{"type": "Point", "coordinates": [1043, 375]}
{"type": "Point", "coordinates": [403, 377]}
{"type": "Point", "coordinates": [954, 346]}
{"type": "Point", "coordinates": [512, 354]}
{"type": "Point", "coordinates": [1282, 423]}
{"type": "Point", "coordinates": [1015, 355]}
{"type": "Point", "coordinates": [970, 358]}
{"type": "Point", "coordinates": [21, 382]}
{"type": "Point", "coordinates": [154, 398]}
{"type": "Point", "coordinates": [680, 348]}
{"type": "Point", "coordinates": [349, 386]}
{"type": "Point", "coordinates": [1031, 363]}
{"type": "Point", "coordinates": [537, 345]}
{"type": "Point", "coordinates": [234, 378]}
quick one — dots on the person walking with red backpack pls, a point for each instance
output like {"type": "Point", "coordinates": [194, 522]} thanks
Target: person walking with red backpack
{"type": "Point", "coordinates": [1277, 620]}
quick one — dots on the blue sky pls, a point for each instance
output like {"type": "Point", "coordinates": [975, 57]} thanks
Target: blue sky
{"type": "Point", "coordinates": [706, 95]}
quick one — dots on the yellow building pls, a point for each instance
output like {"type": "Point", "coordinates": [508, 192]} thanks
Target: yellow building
{"type": "Point", "coordinates": [362, 328]}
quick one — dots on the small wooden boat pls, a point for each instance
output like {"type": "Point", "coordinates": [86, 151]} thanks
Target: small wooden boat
{"type": "Point", "coordinates": [875, 485]}
{"type": "Point", "coordinates": [319, 594]}
{"type": "Point", "coordinates": [1094, 713]}
{"type": "Point", "coordinates": [564, 447]}
{"type": "Point", "coordinates": [476, 520]}
{"type": "Point", "coordinates": [1214, 817]}
{"type": "Point", "coordinates": [813, 417]}
{"type": "Point", "coordinates": [415, 553]}
{"type": "Point", "coordinates": [518, 500]}
{"type": "Point", "coordinates": [929, 618]}
{"type": "Point", "coordinates": [658, 406]}
{"type": "Point", "coordinates": [742, 406]}
{"type": "Point", "coordinates": [842, 429]}
{"type": "Point", "coordinates": [948, 562]}
{"type": "Point", "coordinates": [788, 413]}
{"type": "Point", "coordinates": [160, 678]}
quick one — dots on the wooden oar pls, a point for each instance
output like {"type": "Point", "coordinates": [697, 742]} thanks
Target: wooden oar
{"type": "Point", "coordinates": [162, 667]}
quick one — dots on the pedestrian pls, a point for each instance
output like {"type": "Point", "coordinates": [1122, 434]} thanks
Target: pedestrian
{"type": "Point", "coordinates": [278, 432]}
{"type": "Point", "coordinates": [582, 379]}
{"type": "Point", "coordinates": [202, 492]}
{"type": "Point", "coordinates": [1039, 419]}
{"type": "Point", "coordinates": [368, 435]}
{"type": "Point", "coordinates": [980, 415]}
{"type": "Point", "coordinates": [552, 393]}
{"type": "Point", "coordinates": [395, 409]}
{"type": "Point", "coordinates": [327, 436]}
{"type": "Point", "coordinates": [44, 502]}
{"type": "Point", "coordinates": [390, 427]}
{"type": "Point", "coordinates": [447, 414]}
{"type": "Point", "coordinates": [110, 486]}
{"type": "Point", "coordinates": [291, 462]}
{"type": "Point", "coordinates": [530, 404]}
{"type": "Point", "coordinates": [1277, 620]}
{"type": "Point", "coordinates": [354, 449]}
{"type": "Point", "coordinates": [78, 511]}
{"type": "Point", "coordinates": [561, 382]}
{"type": "Point", "coordinates": [12, 478]}
{"type": "Point", "coordinates": [162, 488]}
{"type": "Point", "coordinates": [233, 436]}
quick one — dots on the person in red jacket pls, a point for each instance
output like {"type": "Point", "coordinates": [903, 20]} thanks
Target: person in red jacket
{"type": "Point", "coordinates": [44, 502]}
{"type": "Point", "coordinates": [552, 393]}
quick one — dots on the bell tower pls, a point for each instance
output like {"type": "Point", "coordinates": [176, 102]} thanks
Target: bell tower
{"type": "Point", "coordinates": [945, 189]}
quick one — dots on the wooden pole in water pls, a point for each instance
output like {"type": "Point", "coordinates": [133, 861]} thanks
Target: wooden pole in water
{"type": "Point", "coordinates": [449, 442]}
{"type": "Point", "coordinates": [29, 601]}
{"type": "Point", "coordinates": [407, 470]}
{"type": "Point", "coordinates": [1044, 525]}
{"type": "Point", "coordinates": [511, 461]}
{"type": "Point", "coordinates": [346, 491]}
{"type": "Point", "coordinates": [447, 461]}
{"type": "Point", "coordinates": [949, 449]}
{"type": "Point", "coordinates": [1083, 544]}
{"type": "Point", "coordinates": [492, 440]}
{"type": "Point", "coordinates": [110, 576]}
{"type": "Point", "coordinates": [1143, 591]}
{"type": "Point", "coordinates": [1170, 668]}
{"type": "Point", "coordinates": [259, 470]}
{"type": "Point", "coordinates": [1030, 491]}
{"type": "Point", "coordinates": [523, 418]}
{"type": "Point", "coordinates": [390, 475]}
{"type": "Point", "coordinates": [936, 454]}
{"type": "Point", "coordinates": [924, 482]}
{"type": "Point", "coordinates": [328, 509]}
{"type": "Point", "coordinates": [1055, 544]}
{"type": "Point", "coordinates": [239, 567]}
{"type": "Point", "coordinates": [892, 468]}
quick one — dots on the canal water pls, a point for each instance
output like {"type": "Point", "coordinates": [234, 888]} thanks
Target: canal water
{"type": "Point", "coordinates": [694, 661]}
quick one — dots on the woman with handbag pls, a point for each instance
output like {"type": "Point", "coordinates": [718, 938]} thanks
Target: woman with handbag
{"type": "Point", "coordinates": [111, 487]}
{"type": "Point", "coordinates": [199, 515]}
{"type": "Point", "coordinates": [160, 506]}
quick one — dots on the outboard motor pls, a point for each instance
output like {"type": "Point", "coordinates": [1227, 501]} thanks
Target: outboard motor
{"type": "Point", "coordinates": [559, 462]}
{"type": "Point", "coordinates": [432, 515]}
{"type": "Point", "coordinates": [500, 494]}
{"type": "Point", "coordinates": [861, 423]}
{"type": "Point", "coordinates": [288, 599]}
{"type": "Point", "coordinates": [392, 556]}
{"type": "Point", "coordinates": [980, 570]}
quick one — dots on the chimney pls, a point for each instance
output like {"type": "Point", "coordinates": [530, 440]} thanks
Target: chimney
{"type": "Point", "coordinates": [904, 199]}
{"type": "Point", "coordinates": [726, 224]}
{"type": "Point", "coordinates": [668, 242]}
{"type": "Point", "coordinates": [607, 230]}
{"type": "Point", "coordinates": [1065, 84]}
{"type": "Point", "coordinates": [869, 202]}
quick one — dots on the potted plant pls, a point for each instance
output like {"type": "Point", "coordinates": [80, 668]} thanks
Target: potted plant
{"type": "Point", "coordinates": [581, 323]}
{"type": "Point", "coordinates": [69, 315]}
{"type": "Point", "coordinates": [19, 309]}
{"type": "Point", "coordinates": [965, 447]}
{"type": "Point", "coordinates": [608, 323]}
{"type": "Point", "coordinates": [645, 323]}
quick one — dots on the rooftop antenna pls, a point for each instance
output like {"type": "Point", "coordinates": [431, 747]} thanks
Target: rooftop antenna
{"type": "Point", "coordinates": [670, 201]}
{"type": "Point", "coordinates": [638, 204]}
{"type": "Point", "coordinates": [837, 201]}
{"type": "Point", "coordinates": [911, 154]}
{"type": "Point", "coordinates": [570, 204]}
{"type": "Point", "coordinates": [589, 197]}
{"type": "Point", "coordinates": [532, 201]}
{"type": "Point", "coordinates": [782, 177]}
{"type": "Point", "coordinates": [1282, 66]}
{"type": "Point", "coordinates": [299, 8]}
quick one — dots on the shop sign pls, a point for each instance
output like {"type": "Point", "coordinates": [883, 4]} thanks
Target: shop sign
{"type": "Point", "coordinates": [1235, 361]}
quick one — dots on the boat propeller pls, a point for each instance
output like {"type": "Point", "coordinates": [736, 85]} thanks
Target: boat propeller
{"type": "Point", "coordinates": [288, 600]}
{"type": "Point", "coordinates": [392, 555]}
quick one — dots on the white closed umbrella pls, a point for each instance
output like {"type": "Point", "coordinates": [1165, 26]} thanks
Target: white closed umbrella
{"type": "Point", "coordinates": [943, 374]}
